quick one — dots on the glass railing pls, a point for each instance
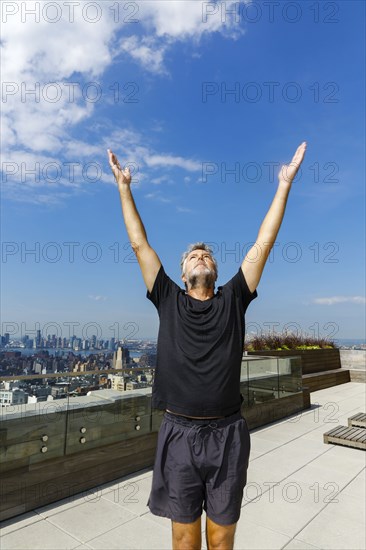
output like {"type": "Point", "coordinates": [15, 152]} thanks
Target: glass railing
{"type": "Point", "coordinates": [59, 414]}
{"type": "Point", "coordinates": [265, 379]}
{"type": "Point", "coordinates": [51, 415]}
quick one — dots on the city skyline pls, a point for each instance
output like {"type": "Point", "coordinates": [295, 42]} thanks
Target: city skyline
{"type": "Point", "coordinates": [105, 344]}
{"type": "Point", "coordinates": [204, 101]}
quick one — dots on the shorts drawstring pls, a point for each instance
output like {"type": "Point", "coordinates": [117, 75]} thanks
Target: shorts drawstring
{"type": "Point", "coordinates": [198, 428]}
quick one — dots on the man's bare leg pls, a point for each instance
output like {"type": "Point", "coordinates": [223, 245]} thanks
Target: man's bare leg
{"type": "Point", "coordinates": [187, 536]}
{"type": "Point", "coordinates": [219, 537]}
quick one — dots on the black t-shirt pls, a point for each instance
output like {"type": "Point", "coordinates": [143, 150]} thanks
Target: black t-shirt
{"type": "Point", "coordinates": [200, 347]}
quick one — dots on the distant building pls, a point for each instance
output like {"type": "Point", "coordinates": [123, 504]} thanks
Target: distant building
{"type": "Point", "coordinates": [77, 344]}
{"type": "Point", "coordinates": [10, 385]}
{"type": "Point", "coordinates": [12, 397]}
{"type": "Point", "coordinates": [117, 359]}
{"type": "Point", "coordinates": [121, 358]}
{"type": "Point", "coordinates": [37, 367]}
{"type": "Point", "coordinates": [54, 365]}
{"type": "Point", "coordinates": [85, 344]}
{"type": "Point", "coordinates": [38, 339]}
{"type": "Point", "coordinates": [32, 399]}
{"type": "Point", "coordinates": [118, 382]}
{"type": "Point", "coordinates": [133, 385]}
{"type": "Point", "coordinates": [60, 389]}
{"type": "Point", "coordinates": [38, 393]}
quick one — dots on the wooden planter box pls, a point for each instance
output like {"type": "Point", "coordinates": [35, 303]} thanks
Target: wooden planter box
{"type": "Point", "coordinates": [313, 360]}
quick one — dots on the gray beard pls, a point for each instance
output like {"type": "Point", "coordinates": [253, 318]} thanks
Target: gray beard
{"type": "Point", "coordinates": [205, 279]}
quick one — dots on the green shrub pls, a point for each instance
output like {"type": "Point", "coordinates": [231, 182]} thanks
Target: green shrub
{"type": "Point", "coordinates": [287, 341]}
{"type": "Point", "coordinates": [307, 347]}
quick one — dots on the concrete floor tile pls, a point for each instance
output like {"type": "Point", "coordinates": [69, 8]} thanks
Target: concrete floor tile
{"type": "Point", "coordinates": [357, 487]}
{"type": "Point", "coordinates": [316, 434]}
{"type": "Point", "coordinates": [296, 544]}
{"type": "Point", "coordinates": [283, 461]}
{"type": "Point", "coordinates": [347, 507]}
{"type": "Point", "coordinates": [92, 495]}
{"type": "Point", "coordinates": [250, 535]}
{"type": "Point", "coordinates": [274, 435]}
{"type": "Point", "coordinates": [310, 447]}
{"type": "Point", "coordinates": [262, 445]}
{"type": "Point", "coordinates": [139, 533]}
{"type": "Point", "coordinates": [275, 468]}
{"type": "Point", "coordinates": [327, 532]}
{"type": "Point", "coordinates": [39, 536]}
{"type": "Point", "coordinates": [339, 455]}
{"type": "Point", "coordinates": [346, 409]}
{"type": "Point", "coordinates": [300, 449]}
{"type": "Point", "coordinates": [13, 524]}
{"type": "Point", "coordinates": [280, 458]}
{"type": "Point", "coordinates": [96, 493]}
{"type": "Point", "coordinates": [314, 473]}
{"type": "Point", "coordinates": [258, 476]}
{"type": "Point", "coordinates": [254, 455]}
{"type": "Point", "coordinates": [131, 494]}
{"type": "Point", "coordinates": [285, 507]}
{"type": "Point", "coordinates": [294, 427]}
{"type": "Point", "coordinates": [91, 519]}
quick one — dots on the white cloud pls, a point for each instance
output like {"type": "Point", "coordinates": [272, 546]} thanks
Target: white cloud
{"type": "Point", "coordinates": [54, 51]}
{"type": "Point", "coordinates": [50, 70]}
{"type": "Point", "coordinates": [157, 197]}
{"type": "Point", "coordinates": [185, 210]}
{"type": "Point", "coordinates": [97, 298]}
{"type": "Point", "coordinates": [45, 57]}
{"type": "Point", "coordinates": [340, 300]}
{"type": "Point", "coordinates": [171, 160]}
{"type": "Point", "coordinates": [180, 19]}
{"type": "Point", "coordinates": [146, 51]}
{"type": "Point", "coordinates": [42, 96]}
{"type": "Point", "coordinates": [26, 172]}
{"type": "Point", "coordinates": [54, 199]}
{"type": "Point", "coordinates": [161, 179]}
{"type": "Point", "coordinates": [176, 20]}
{"type": "Point", "coordinates": [28, 176]}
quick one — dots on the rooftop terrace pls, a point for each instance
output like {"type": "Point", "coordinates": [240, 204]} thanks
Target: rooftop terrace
{"type": "Point", "coordinates": [301, 494]}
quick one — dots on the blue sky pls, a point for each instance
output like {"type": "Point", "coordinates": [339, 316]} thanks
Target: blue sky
{"type": "Point", "coordinates": [205, 162]}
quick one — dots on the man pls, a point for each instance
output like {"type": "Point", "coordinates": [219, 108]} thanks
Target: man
{"type": "Point", "coordinates": [203, 443]}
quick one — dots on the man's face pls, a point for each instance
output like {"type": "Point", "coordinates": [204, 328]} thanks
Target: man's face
{"type": "Point", "coordinates": [199, 268]}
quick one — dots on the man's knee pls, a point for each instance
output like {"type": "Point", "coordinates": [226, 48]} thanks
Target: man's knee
{"type": "Point", "coordinates": [186, 536]}
{"type": "Point", "coordinates": [220, 537]}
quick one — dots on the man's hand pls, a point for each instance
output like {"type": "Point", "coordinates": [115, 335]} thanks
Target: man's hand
{"type": "Point", "coordinates": [122, 176]}
{"type": "Point", "coordinates": [289, 171]}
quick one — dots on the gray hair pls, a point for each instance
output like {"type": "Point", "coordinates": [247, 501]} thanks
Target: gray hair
{"type": "Point", "coordinates": [197, 246]}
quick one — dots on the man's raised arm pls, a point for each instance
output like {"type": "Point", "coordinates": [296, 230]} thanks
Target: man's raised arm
{"type": "Point", "coordinates": [148, 259]}
{"type": "Point", "coordinates": [254, 262]}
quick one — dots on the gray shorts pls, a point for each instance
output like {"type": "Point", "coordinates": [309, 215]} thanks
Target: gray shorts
{"type": "Point", "coordinates": [200, 463]}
